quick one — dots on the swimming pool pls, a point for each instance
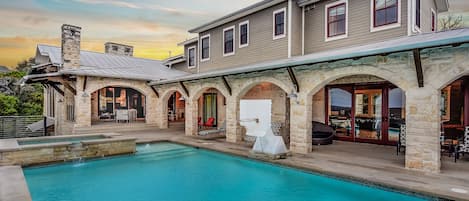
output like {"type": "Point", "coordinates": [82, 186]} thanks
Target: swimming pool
{"type": "Point", "coordinates": [170, 172]}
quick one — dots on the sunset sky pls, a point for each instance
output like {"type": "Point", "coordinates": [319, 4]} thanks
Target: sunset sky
{"type": "Point", "coordinates": [153, 27]}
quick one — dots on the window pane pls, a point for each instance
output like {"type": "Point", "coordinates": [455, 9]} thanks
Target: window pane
{"type": "Point", "coordinates": [244, 34]}
{"type": "Point", "coordinates": [391, 3]}
{"type": "Point", "coordinates": [341, 27]}
{"type": "Point", "coordinates": [340, 111]}
{"type": "Point", "coordinates": [380, 17]}
{"type": "Point", "coordinates": [279, 23]}
{"type": "Point", "coordinates": [380, 4]}
{"type": "Point", "coordinates": [191, 57]}
{"type": "Point", "coordinates": [391, 15]}
{"type": "Point", "coordinates": [228, 41]}
{"type": "Point", "coordinates": [341, 10]}
{"type": "Point", "coordinates": [205, 48]}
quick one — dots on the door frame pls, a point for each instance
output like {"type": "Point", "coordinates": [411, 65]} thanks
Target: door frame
{"type": "Point", "coordinates": [385, 87]}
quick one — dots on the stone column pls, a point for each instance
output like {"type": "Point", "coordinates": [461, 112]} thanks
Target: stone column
{"type": "Point", "coordinates": [152, 111]}
{"type": "Point", "coordinates": [423, 129]}
{"type": "Point", "coordinates": [162, 113]}
{"type": "Point", "coordinates": [300, 124]}
{"type": "Point", "coordinates": [233, 128]}
{"type": "Point", "coordinates": [82, 105]}
{"type": "Point", "coordinates": [191, 117]}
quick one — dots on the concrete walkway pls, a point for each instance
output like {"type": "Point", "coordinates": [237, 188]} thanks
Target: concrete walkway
{"type": "Point", "coordinates": [368, 163]}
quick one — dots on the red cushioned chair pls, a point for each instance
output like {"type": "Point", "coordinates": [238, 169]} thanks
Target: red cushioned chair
{"type": "Point", "coordinates": [209, 122]}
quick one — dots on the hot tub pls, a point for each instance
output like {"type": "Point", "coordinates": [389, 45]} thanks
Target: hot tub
{"type": "Point", "coordinates": [44, 150]}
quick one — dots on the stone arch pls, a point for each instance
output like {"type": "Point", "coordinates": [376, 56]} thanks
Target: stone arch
{"type": "Point", "coordinates": [197, 93]}
{"type": "Point", "coordinates": [163, 105]}
{"type": "Point", "coordinates": [330, 76]}
{"type": "Point", "coordinates": [243, 89]}
{"type": "Point", "coordinates": [143, 90]}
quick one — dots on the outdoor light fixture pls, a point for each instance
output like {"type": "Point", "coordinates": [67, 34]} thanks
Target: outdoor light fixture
{"type": "Point", "coordinates": [182, 98]}
{"type": "Point", "coordinates": [84, 95]}
{"type": "Point", "coordinates": [294, 97]}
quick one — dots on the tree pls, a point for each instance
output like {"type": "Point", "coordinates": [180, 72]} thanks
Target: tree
{"type": "Point", "coordinates": [25, 65]}
{"type": "Point", "coordinates": [9, 105]}
{"type": "Point", "coordinates": [451, 22]}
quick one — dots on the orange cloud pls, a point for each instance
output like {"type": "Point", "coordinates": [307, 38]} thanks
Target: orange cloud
{"type": "Point", "coordinates": [16, 49]}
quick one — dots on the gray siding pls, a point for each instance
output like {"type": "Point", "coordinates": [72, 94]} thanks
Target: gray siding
{"type": "Point", "coordinates": [358, 27]}
{"type": "Point", "coordinates": [426, 15]}
{"type": "Point", "coordinates": [297, 41]}
{"type": "Point", "coordinates": [261, 45]}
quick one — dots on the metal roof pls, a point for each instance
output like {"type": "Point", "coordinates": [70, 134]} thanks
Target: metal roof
{"type": "Point", "coordinates": [236, 15]}
{"type": "Point", "coordinates": [402, 44]}
{"type": "Point", "coordinates": [114, 66]}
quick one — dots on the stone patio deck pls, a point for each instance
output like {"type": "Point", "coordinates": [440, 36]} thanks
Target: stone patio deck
{"type": "Point", "coordinates": [374, 164]}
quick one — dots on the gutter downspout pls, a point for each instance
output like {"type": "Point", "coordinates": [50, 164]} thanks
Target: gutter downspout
{"type": "Point", "coordinates": [290, 4]}
{"type": "Point", "coordinates": [303, 30]}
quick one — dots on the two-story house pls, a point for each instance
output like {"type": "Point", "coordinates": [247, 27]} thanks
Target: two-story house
{"type": "Point", "coordinates": [374, 70]}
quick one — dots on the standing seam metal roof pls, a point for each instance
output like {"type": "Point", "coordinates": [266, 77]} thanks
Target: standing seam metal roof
{"type": "Point", "coordinates": [116, 66]}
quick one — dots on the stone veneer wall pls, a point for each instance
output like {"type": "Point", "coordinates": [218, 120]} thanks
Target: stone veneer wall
{"type": "Point", "coordinates": [44, 154]}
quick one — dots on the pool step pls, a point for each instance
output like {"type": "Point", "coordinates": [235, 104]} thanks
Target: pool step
{"type": "Point", "coordinates": [164, 154]}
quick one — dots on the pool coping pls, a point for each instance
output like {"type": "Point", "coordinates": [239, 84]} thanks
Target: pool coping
{"type": "Point", "coordinates": [9, 145]}
{"type": "Point", "coordinates": [16, 188]}
{"type": "Point", "coordinates": [343, 176]}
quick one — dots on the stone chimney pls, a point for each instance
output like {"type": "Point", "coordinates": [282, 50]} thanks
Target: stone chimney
{"type": "Point", "coordinates": [71, 46]}
{"type": "Point", "coordinates": [118, 49]}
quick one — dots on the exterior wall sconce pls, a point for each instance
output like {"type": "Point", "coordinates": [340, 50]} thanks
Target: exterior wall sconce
{"type": "Point", "coordinates": [294, 97]}
{"type": "Point", "coordinates": [182, 98]}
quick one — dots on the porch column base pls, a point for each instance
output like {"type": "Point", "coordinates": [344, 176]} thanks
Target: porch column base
{"type": "Point", "coordinates": [233, 129]}
{"type": "Point", "coordinates": [300, 125]}
{"type": "Point", "coordinates": [423, 130]}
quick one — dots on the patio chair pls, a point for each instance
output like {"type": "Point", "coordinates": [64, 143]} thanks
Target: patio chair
{"type": "Point", "coordinates": [122, 115]}
{"type": "Point", "coordinates": [210, 122]}
{"type": "Point", "coordinates": [462, 147]}
{"type": "Point", "coordinates": [402, 139]}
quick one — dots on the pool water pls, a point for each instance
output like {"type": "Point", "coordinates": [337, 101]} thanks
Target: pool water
{"type": "Point", "coordinates": [171, 172]}
{"type": "Point", "coordinates": [56, 140]}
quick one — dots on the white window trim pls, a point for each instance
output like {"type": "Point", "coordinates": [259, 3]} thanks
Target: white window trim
{"type": "Point", "coordinates": [239, 28]}
{"type": "Point", "coordinates": [234, 41]}
{"type": "Point", "coordinates": [209, 48]}
{"type": "Point", "coordinates": [385, 27]}
{"type": "Point", "coordinates": [415, 28]}
{"type": "Point", "coordinates": [332, 38]}
{"type": "Point", "coordinates": [433, 13]}
{"type": "Point", "coordinates": [284, 10]}
{"type": "Point", "coordinates": [188, 57]}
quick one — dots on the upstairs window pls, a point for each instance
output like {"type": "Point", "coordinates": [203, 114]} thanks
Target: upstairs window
{"type": "Point", "coordinates": [279, 23]}
{"type": "Point", "coordinates": [205, 48]}
{"type": "Point", "coordinates": [336, 20]}
{"type": "Point", "coordinates": [243, 34]}
{"type": "Point", "coordinates": [191, 57]}
{"type": "Point", "coordinates": [115, 48]}
{"type": "Point", "coordinates": [417, 13]}
{"type": "Point", "coordinates": [385, 12]}
{"type": "Point", "coordinates": [228, 41]}
{"type": "Point", "coordinates": [433, 20]}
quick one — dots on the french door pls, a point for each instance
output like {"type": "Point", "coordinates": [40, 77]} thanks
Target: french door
{"type": "Point", "coordinates": [369, 113]}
